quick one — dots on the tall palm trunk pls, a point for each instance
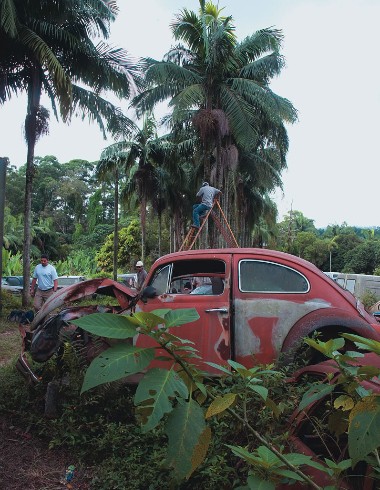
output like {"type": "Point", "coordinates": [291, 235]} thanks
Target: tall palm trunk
{"type": "Point", "coordinates": [159, 232]}
{"type": "Point", "coordinates": [143, 227]}
{"type": "Point", "coordinates": [116, 225]}
{"type": "Point", "coordinates": [34, 96]}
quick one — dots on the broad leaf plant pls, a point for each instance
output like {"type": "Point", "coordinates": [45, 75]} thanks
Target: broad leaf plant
{"type": "Point", "coordinates": [179, 396]}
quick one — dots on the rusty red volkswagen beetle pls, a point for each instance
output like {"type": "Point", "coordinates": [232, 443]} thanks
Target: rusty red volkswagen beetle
{"type": "Point", "coordinates": [254, 305]}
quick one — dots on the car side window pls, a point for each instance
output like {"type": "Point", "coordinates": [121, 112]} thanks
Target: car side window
{"type": "Point", "coordinates": [160, 279]}
{"type": "Point", "coordinates": [269, 277]}
{"type": "Point", "coordinates": [194, 276]}
{"type": "Point", "coordinates": [350, 285]}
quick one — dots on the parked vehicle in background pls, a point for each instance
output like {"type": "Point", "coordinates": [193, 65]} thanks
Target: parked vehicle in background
{"type": "Point", "coordinates": [129, 279]}
{"type": "Point", "coordinates": [332, 275]}
{"type": "Point", "coordinates": [14, 280]}
{"type": "Point", "coordinates": [358, 284]}
{"type": "Point", "coordinates": [8, 287]}
{"type": "Point", "coordinates": [64, 281]}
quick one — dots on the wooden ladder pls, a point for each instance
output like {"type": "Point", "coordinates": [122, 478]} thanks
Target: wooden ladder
{"type": "Point", "coordinates": [221, 223]}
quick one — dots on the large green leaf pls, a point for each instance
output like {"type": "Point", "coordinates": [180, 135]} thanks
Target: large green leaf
{"type": "Point", "coordinates": [115, 363]}
{"type": "Point", "coordinates": [148, 319]}
{"type": "Point", "coordinates": [363, 343]}
{"type": "Point", "coordinates": [220, 404]}
{"type": "Point", "coordinates": [256, 483]}
{"type": "Point", "coordinates": [261, 390]}
{"type": "Point", "coordinates": [107, 325]}
{"type": "Point", "coordinates": [329, 348]}
{"type": "Point", "coordinates": [316, 392]}
{"type": "Point", "coordinates": [155, 392]}
{"type": "Point", "coordinates": [184, 427]}
{"type": "Point", "coordinates": [364, 428]}
{"type": "Point", "coordinates": [176, 318]}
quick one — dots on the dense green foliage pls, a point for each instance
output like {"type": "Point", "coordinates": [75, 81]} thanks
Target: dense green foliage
{"type": "Point", "coordinates": [225, 125]}
{"type": "Point", "coordinates": [73, 217]}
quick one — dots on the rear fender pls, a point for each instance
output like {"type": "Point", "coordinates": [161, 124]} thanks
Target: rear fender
{"type": "Point", "coordinates": [334, 321]}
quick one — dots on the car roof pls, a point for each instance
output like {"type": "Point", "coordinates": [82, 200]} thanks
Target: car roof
{"type": "Point", "coordinates": [264, 252]}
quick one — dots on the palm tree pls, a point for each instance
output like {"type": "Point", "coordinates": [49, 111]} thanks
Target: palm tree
{"type": "Point", "coordinates": [145, 159]}
{"type": "Point", "coordinates": [48, 47]}
{"type": "Point", "coordinates": [331, 245]}
{"type": "Point", "coordinates": [109, 169]}
{"type": "Point", "coordinates": [220, 87]}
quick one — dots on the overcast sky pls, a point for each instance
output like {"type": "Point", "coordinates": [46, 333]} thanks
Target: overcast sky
{"type": "Point", "coordinates": [332, 78]}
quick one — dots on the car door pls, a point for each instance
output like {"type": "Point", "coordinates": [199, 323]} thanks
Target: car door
{"type": "Point", "coordinates": [270, 296]}
{"type": "Point", "coordinates": [209, 292]}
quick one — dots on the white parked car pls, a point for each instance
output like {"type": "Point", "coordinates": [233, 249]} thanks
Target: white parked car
{"type": "Point", "coordinates": [64, 281]}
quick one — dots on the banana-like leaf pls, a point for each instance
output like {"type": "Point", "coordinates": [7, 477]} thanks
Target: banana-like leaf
{"type": "Point", "coordinates": [368, 371]}
{"type": "Point", "coordinates": [174, 338]}
{"type": "Point", "coordinates": [364, 428]}
{"type": "Point", "coordinates": [107, 325]}
{"type": "Point", "coordinates": [265, 458]}
{"type": "Point", "coordinates": [217, 366]}
{"type": "Point", "coordinates": [115, 363]}
{"type": "Point", "coordinates": [184, 428]}
{"type": "Point", "coordinates": [161, 312]}
{"type": "Point", "coordinates": [155, 391]}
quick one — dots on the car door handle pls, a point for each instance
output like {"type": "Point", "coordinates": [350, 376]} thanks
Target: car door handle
{"type": "Point", "coordinates": [220, 310]}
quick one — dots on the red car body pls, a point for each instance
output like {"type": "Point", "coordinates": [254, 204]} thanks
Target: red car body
{"type": "Point", "coordinates": [254, 304]}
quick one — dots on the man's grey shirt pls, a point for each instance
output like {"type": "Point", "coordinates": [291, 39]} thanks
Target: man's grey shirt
{"type": "Point", "coordinates": [207, 193]}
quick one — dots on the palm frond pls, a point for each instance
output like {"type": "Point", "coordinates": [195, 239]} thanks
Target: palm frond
{"type": "Point", "coordinates": [8, 17]}
{"type": "Point", "coordinates": [239, 114]}
{"type": "Point", "coordinates": [97, 109]}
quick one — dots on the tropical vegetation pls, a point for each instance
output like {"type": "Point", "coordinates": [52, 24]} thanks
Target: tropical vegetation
{"type": "Point", "coordinates": [48, 47]}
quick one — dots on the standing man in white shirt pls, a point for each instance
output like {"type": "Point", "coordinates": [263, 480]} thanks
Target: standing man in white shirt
{"type": "Point", "coordinates": [46, 278]}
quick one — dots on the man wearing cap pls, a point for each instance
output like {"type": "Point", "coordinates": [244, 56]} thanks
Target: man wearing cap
{"type": "Point", "coordinates": [206, 196]}
{"type": "Point", "coordinates": [141, 274]}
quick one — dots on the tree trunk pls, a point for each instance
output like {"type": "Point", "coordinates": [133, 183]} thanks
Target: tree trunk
{"type": "Point", "coordinates": [3, 174]}
{"type": "Point", "coordinates": [116, 225]}
{"type": "Point", "coordinates": [34, 96]}
{"type": "Point", "coordinates": [143, 227]}
{"type": "Point", "coordinates": [159, 232]}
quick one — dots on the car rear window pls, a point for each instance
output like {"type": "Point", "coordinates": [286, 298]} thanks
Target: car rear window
{"type": "Point", "coordinates": [269, 277]}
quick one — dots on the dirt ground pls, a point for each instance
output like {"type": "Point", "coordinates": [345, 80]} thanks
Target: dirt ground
{"type": "Point", "coordinates": [26, 463]}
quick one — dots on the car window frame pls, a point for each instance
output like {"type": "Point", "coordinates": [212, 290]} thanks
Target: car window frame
{"type": "Point", "coordinates": [277, 264]}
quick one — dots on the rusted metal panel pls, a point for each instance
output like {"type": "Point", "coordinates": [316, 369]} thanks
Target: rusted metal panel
{"type": "Point", "coordinates": [262, 324]}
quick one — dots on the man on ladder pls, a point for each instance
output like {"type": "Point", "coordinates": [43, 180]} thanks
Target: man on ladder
{"type": "Point", "coordinates": [206, 195]}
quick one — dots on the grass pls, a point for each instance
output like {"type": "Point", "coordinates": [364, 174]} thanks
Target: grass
{"type": "Point", "coordinates": [10, 343]}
